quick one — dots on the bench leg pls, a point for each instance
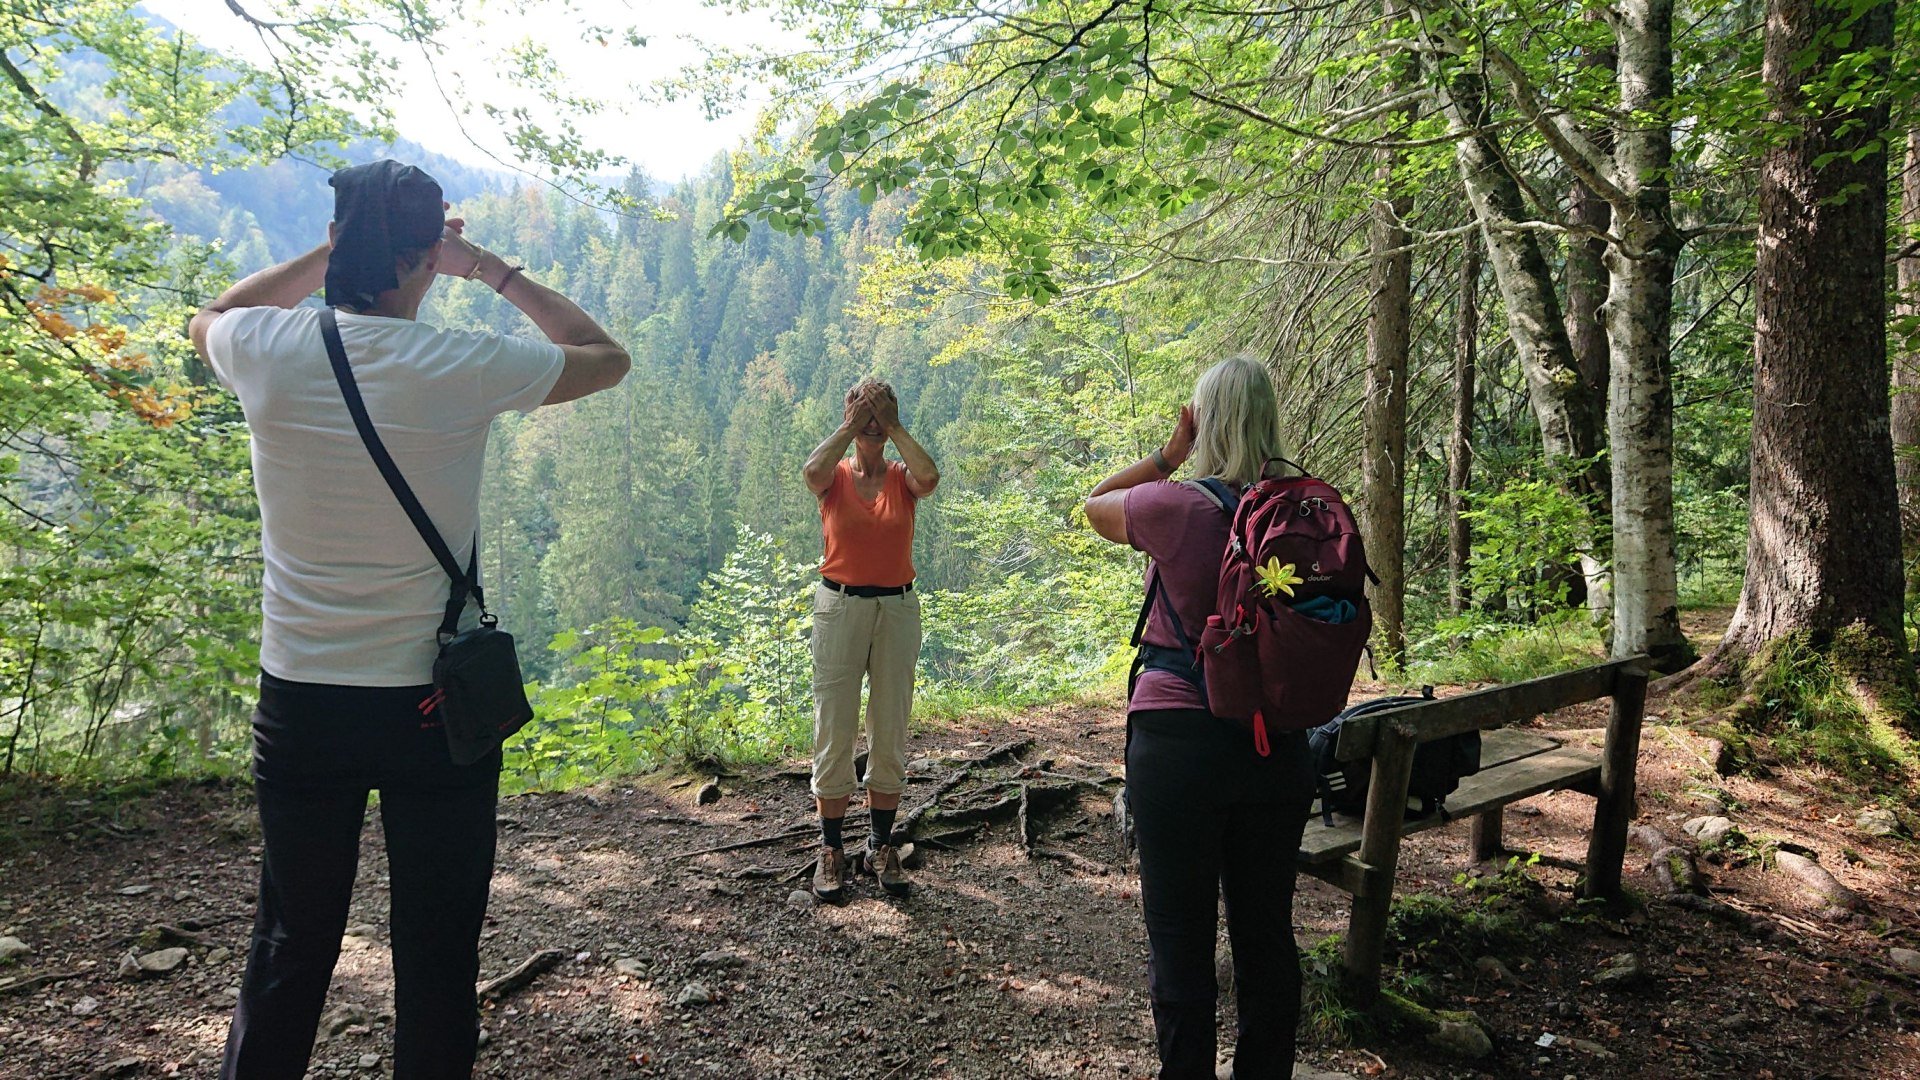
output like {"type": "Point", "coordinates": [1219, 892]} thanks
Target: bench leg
{"type": "Point", "coordinates": [1366, 942]}
{"type": "Point", "coordinates": [1488, 841]}
{"type": "Point", "coordinates": [1614, 807]}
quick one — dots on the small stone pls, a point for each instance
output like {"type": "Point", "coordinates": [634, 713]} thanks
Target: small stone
{"type": "Point", "coordinates": [366, 931]}
{"type": "Point", "coordinates": [1711, 830]}
{"type": "Point", "coordinates": [134, 890]}
{"type": "Point", "coordinates": [709, 792]}
{"type": "Point", "coordinates": [1223, 968]}
{"type": "Point", "coordinates": [86, 1006]}
{"type": "Point", "coordinates": [369, 1061]}
{"type": "Point", "coordinates": [801, 899]}
{"type": "Point", "coordinates": [341, 1017]}
{"type": "Point", "coordinates": [1625, 969]}
{"type": "Point", "coordinates": [159, 962]}
{"type": "Point", "coordinates": [1905, 959]}
{"type": "Point", "coordinates": [1461, 1038]}
{"type": "Point", "coordinates": [1493, 968]}
{"type": "Point", "coordinates": [693, 994]}
{"type": "Point", "coordinates": [719, 959]}
{"type": "Point", "coordinates": [1877, 821]}
{"type": "Point", "coordinates": [219, 954]}
{"type": "Point", "coordinates": [630, 967]}
{"type": "Point", "coordinates": [1588, 1046]}
{"type": "Point", "coordinates": [12, 948]}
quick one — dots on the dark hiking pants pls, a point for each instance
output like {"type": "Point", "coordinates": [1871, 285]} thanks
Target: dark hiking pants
{"type": "Point", "coordinates": [317, 752]}
{"type": "Point", "coordinates": [1211, 816]}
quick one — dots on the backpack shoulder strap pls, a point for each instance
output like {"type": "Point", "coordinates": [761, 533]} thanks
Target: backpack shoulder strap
{"type": "Point", "coordinates": [463, 583]}
{"type": "Point", "coordinates": [1217, 491]}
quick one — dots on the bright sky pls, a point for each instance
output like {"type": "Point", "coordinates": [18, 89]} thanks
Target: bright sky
{"type": "Point", "coordinates": [668, 141]}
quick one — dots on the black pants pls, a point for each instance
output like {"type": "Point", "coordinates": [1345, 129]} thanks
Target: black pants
{"type": "Point", "coordinates": [317, 751]}
{"type": "Point", "coordinates": [1212, 816]}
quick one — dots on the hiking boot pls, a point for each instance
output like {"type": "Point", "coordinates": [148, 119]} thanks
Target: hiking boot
{"type": "Point", "coordinates": [884, 864]}
{"type": "Point", "coordinates": [830, 873]}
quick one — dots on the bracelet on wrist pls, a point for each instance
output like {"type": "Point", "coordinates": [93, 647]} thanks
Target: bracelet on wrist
{"type": "Point", "coordinates": [1160, 462]}
{"type": "Point", "coordinates": [508, 276]}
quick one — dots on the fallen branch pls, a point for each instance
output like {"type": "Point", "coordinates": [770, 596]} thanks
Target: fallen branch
{"type": "Point", "coordinates": [771, 838]}
{"type": "Point", "coordinates": [1022, 824]}
{"type": "Point", "coordinates": [21, 986]}
{"type": "Point", "coordinates": [1074, 859]}
{"type": "Point", "coordinates": [945, 841]}
{"type": "Point", "coordinates": [530, 969]}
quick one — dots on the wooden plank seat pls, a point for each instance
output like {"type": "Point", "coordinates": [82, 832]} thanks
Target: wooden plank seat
{"type": "Point", "coordinates": [1513, 766]}
{"type": "Point", "coordinates": [1363, 856]}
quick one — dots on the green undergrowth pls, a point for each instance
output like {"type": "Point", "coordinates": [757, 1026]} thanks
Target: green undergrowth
{"type": "Point", "coordinates": [1472, 649]}
{"type": "Point", "coordinates": [1806, 705]}
{"type": "Point", "coordinates": [1505, 914]}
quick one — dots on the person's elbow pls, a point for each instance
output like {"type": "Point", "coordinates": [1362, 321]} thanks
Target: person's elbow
{"type": "Point", "coordinates": [199, 327]}
{"type": "Point", "coordinates": [589, 369]}
{"type": "Point", "coordinates": [613, 367]}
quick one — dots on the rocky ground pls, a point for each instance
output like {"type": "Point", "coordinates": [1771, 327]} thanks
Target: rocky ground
{"type": "Point", "coordinates": [1011, 960]}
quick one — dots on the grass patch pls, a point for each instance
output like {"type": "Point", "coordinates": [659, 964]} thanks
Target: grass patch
{"type": "Point", "coordinates": [1806, 705]}
{"type": "Point", "coordinates": [1468, 650]}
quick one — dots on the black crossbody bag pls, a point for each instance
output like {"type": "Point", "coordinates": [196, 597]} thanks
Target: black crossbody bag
{"type": "Point", "coordinates": [478, 690]}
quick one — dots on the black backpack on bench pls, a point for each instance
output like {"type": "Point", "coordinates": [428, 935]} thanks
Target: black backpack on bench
{"type": "Point", "coordinates": [1438, 766]}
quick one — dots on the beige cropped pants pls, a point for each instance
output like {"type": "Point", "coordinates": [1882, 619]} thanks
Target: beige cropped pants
{"type": "Point", "coordinates": [855, 637]}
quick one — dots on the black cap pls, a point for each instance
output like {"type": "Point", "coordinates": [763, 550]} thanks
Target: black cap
{"type": "Point", "coordinates": [381, 210]}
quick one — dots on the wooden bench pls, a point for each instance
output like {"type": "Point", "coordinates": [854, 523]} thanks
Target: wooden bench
{"type": "Point", "coordinates": [1361, 857]}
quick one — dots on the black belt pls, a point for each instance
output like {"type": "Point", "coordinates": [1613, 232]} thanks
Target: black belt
{"type": "Point", "coordinates": [867, 590]}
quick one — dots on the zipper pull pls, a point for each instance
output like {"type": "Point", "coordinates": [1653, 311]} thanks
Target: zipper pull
{"type": "Point", "coordinates": [1260, 744]}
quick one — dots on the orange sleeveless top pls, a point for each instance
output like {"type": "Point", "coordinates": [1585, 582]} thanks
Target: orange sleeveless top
{"type": "Point", "coordinates": [868, 543]}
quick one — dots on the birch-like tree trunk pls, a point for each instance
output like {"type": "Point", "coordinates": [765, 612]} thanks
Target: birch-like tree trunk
{"type": "Point", "coordinates": [1906, 358]}
{"type": "Point", "coordinates": [1460, 443]}
{"type": "Point", "coordinates": [1570, 422]}
{"type": "Point", "coordinates": [1640, 269]}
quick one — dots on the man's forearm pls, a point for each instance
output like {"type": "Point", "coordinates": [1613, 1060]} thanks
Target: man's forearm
{"type": "Point", "coordinates": [282, 286]}
{"type": "Point", "coordinates": [557, 317]}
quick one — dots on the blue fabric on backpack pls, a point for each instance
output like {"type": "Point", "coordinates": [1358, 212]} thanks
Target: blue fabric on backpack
{"type": "Point", "coordinates": [1328, 609]}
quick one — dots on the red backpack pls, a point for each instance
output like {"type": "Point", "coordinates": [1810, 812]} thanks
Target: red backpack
{"type": "Point", "coordinates": [1290, 618]}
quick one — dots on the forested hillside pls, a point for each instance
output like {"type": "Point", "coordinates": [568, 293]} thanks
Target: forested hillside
{"type": "Point", "coordinates": [1423, 253]}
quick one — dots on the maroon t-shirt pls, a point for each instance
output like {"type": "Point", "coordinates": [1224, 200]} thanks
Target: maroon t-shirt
{"type": "Point", "coordinates": [1183, 532]}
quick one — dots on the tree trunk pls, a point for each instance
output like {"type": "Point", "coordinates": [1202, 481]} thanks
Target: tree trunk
{"type": "Point", "coordinates": [1383, 458]}
{"type": "Point", "coordinates": [1823, 547]}
{"type": "Point", "coordinates": [1586, 276]}
{"type": "Point", "coordinates": [1906, 363]}
{"type": "Point", "coordinates": [1639, 337]}
{"type": "Point", "coordinates": [1460, 445]}
{"type": "Point", "coordinates": [1569, 419]}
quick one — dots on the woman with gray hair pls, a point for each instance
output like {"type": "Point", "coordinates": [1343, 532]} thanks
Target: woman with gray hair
{"type": "Point", "coordinates": [1210, 814]}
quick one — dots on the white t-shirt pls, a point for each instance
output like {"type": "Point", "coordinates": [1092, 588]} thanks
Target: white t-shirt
{"type": "Point", "coordinates": [352, 595]}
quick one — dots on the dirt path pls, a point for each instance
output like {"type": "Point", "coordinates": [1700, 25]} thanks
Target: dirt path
{"type": "Point", "coordinates": [1000, 966]}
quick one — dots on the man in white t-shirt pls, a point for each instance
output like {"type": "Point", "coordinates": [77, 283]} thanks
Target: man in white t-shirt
{"type": "Point", "coordinates": [352, 597]}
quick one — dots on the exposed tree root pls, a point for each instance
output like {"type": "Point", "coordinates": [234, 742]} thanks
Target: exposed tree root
{"type": "Point", "coordinates": [1835, 899]}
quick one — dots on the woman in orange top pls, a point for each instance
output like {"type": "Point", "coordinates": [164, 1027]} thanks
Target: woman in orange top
{"type": "Point", "coordinates": [866, 623]}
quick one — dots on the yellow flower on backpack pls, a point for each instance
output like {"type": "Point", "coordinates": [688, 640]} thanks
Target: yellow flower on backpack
{"type": "Point", "coordinates": [1277, 579]}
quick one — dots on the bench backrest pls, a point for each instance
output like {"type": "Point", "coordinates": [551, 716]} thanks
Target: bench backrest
{"type": "Point", "coordinates": [1480, 709]}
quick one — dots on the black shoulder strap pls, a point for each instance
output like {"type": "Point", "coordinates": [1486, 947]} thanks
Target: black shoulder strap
{"type": "Point", "coordinates": [463, 583]}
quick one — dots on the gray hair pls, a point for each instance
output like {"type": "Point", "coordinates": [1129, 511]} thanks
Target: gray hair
{"type": "Point", "coordinates": [1236, 419]}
